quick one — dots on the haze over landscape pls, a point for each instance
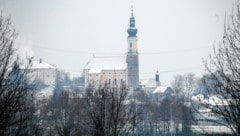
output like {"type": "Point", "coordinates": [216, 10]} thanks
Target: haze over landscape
{"type": "Point", "coordinates": [174, 36]}
{"type": "Point", "coordinates": [119, 68]}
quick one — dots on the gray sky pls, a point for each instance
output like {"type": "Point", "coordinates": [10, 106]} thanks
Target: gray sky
{"type": "Point", "coordinates": [174, 35]}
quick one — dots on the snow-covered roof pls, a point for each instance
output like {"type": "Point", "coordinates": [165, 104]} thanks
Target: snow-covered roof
{"type": "Point", "coordinates": [204, 110]}
{"type": "Point", "coordinates": [97, 64]}
{"type": "Point", "coordinates": [217, 100]}
{"type": "Point", "coordinates": [143, 81]}
{"type": "Point", "coordinates": [160, 89]}
{"type": "Point", "coordinates": [198, 98]}
{"type": "Point", "coordinates": [95, 70]}
{"type": "Point", "coordinates": [41, 64]}
{"type": "Point", "coordinates": [149, 83]}
{"type": "Point", "coordinates": [213, 100]}
{"type": "Point", "coordinates": [220, 129]}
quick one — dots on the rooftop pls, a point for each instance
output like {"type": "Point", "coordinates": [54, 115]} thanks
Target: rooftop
{"type": "Point", "coordinates": [160, 89]}
{"type": "Point", "coordinates": [97, 64]}
{"type": "Point", "coordinates": [41, 64]}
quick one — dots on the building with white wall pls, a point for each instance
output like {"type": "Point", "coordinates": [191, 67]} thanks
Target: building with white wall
{"type": "Point", "coordinates": [106, 70]}
{"type": "Point", "coordinates": [42, 72]}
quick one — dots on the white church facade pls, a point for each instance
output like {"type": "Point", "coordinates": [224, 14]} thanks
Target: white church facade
{"type": "Point", "coordinates": [105, 70]}
{"type": "Point", "coordinates": [116, 70]}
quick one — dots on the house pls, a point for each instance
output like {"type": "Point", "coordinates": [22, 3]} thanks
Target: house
{"type": "Point", "coordinates": [42, 72]}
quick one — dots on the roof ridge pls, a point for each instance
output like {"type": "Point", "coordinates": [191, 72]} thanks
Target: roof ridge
{"type": "Point", "coordinates": [107, 56]}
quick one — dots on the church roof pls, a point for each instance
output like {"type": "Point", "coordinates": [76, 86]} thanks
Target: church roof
{"type": "Point", "coordinates": [97, 64]}
{"type": "Point", "coordinates": [161, 89]}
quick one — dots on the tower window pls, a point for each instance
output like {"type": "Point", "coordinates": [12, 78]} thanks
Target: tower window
{"type": "Point", "coordinates": [130, 46]}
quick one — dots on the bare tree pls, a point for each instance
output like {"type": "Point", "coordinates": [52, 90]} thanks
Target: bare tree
{"type": "Point", "coordinates": [148, 113]}
{"type": "Point", "coordinates": [109, 111]}
{"type": "Point", "coordinates": [178, 84]}
{"type": "Point", "coordinates": [64, 115]}
{"type": "Point", "coordinates": [224, 74]}
{"type": "Point", "coordinates": [184, 86]}
{"type": "Point", "coordinates": [13, 84]}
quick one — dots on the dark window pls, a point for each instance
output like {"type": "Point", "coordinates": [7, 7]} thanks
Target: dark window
{"type": "Point", "coordinates": [130, 46]}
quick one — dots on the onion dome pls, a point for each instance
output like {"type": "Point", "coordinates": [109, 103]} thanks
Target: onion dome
{"type": "Point", "coordinates": [132, 30]}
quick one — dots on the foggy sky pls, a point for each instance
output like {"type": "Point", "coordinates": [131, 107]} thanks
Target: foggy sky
{"type": "Point", "coordinates": [174, 35]}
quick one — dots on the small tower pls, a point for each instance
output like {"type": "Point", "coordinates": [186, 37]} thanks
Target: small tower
{"type": "Point", "coordinates": [132, 55]}
{"type": "Point", "coordinates": [158, 83]}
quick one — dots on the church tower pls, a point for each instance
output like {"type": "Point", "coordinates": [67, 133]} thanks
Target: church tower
{"type": "Point", "coordinates": [132, 55]}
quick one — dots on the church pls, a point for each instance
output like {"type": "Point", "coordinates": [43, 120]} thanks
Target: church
{"type": "Point", "coordinates": [116, 70]}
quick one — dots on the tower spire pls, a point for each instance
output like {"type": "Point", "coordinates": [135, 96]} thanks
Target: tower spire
{"type": "Point", "coordinates": [131, 10]}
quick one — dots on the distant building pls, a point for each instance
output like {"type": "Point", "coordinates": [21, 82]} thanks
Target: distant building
{"type": "Point", "coordinates": [105, 70]}
{"type": "Point", "coordinates": [150, 84]}
{"type": "Point", "coordinates": [162, 92]}
{"type": "Point", "coordinates": [155, 90]}
{"type": "Point", "coordinates": [116, 70]}
{"type": "Point", "coordinates": [42, 72]}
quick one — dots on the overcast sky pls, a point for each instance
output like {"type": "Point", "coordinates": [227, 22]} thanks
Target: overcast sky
{"type": "Point", "coordinates": [174, 35]}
